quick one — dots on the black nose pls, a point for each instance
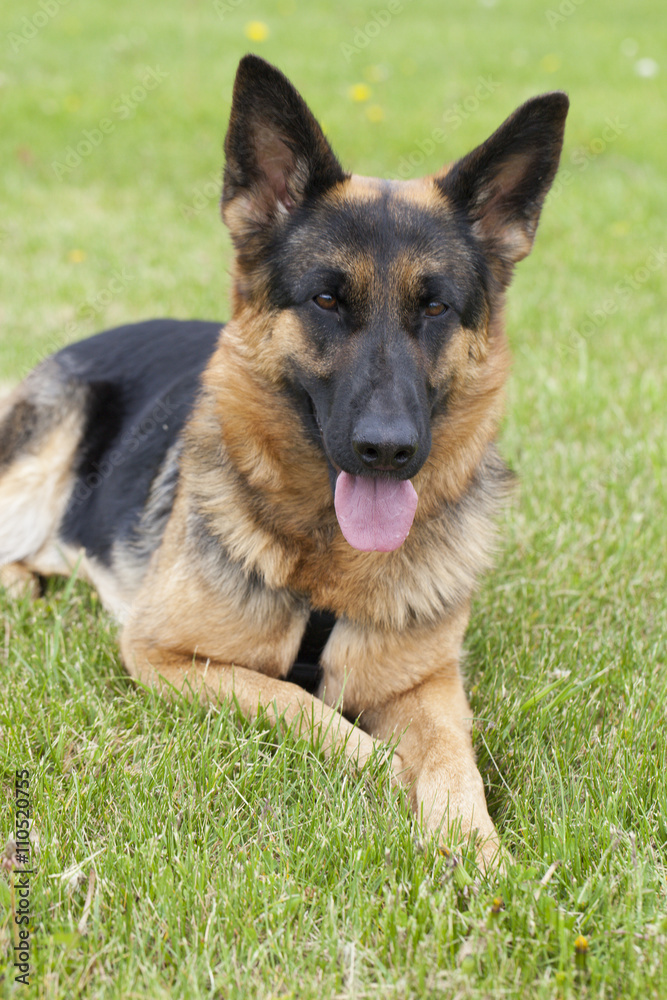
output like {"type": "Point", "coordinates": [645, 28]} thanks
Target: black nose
{"type": "Point", "coordinates": [384, 444]}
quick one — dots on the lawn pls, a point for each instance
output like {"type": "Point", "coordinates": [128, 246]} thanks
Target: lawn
{"type": "Point", "coordinates": [180, 852]}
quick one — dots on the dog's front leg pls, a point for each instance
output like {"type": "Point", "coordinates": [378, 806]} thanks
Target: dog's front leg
{"type": "Point", "coordinates": [215, 682]}
{"type": "Point", "coordinates": [406, 685]}
{"type": "Point", "coordinates": [439, 769]}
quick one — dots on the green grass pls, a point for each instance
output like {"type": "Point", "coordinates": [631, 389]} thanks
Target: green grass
{"type": "Point", "coordinates": [233, 860]}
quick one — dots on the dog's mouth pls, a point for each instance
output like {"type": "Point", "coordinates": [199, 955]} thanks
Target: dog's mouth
{"type": "Point", "coordinates": [374, 511]}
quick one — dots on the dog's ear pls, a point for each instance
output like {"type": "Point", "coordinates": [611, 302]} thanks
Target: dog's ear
{"type": "Point", "coordinates": [501, 185]}
{"type": "Point", "coordinates": [276, 153]}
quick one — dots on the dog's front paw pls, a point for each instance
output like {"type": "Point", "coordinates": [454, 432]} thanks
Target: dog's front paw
{"type": "Point", "coordinates": [453, 808]}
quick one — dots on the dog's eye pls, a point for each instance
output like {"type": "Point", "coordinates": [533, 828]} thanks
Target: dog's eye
{"type": "Point", "coordinates": [435, 308]}
{"type": "Point", "coordinates": [325, 301]}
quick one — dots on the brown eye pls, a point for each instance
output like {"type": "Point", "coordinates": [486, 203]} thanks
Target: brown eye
{"type": "Point", "coordinates": [435, 308]}
{"type": "Point", "coordinates": [325, 301]}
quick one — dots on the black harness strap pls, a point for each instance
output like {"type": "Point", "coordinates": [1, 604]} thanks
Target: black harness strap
{"type": "Point", "coordinates": [306, 670]}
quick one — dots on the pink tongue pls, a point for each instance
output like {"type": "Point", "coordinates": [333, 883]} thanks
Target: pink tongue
{"type": "Point", "coordinates": [375, 515]}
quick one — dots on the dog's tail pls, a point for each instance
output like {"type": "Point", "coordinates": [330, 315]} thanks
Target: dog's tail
{"type": "Point", "coordinates": [41, 423]}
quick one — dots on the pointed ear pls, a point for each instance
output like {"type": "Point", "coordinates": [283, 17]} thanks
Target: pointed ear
{"type": "Point", "coordinates": [276, 153]}
{"type": "Point", "coordinates": [502, 184]}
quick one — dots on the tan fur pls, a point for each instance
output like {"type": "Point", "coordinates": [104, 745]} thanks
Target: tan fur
{"type": "Point", "coordinates": [472, 421]}
{"type": "Point", "coordinates": [366, 667]}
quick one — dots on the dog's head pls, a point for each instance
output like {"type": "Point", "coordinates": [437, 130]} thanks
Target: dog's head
{"type": "Point", "coordinates": [376, 303]}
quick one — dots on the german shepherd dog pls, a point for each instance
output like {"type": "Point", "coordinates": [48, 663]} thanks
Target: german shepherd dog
{"type": "Point", "coordinates": [308, 493]}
